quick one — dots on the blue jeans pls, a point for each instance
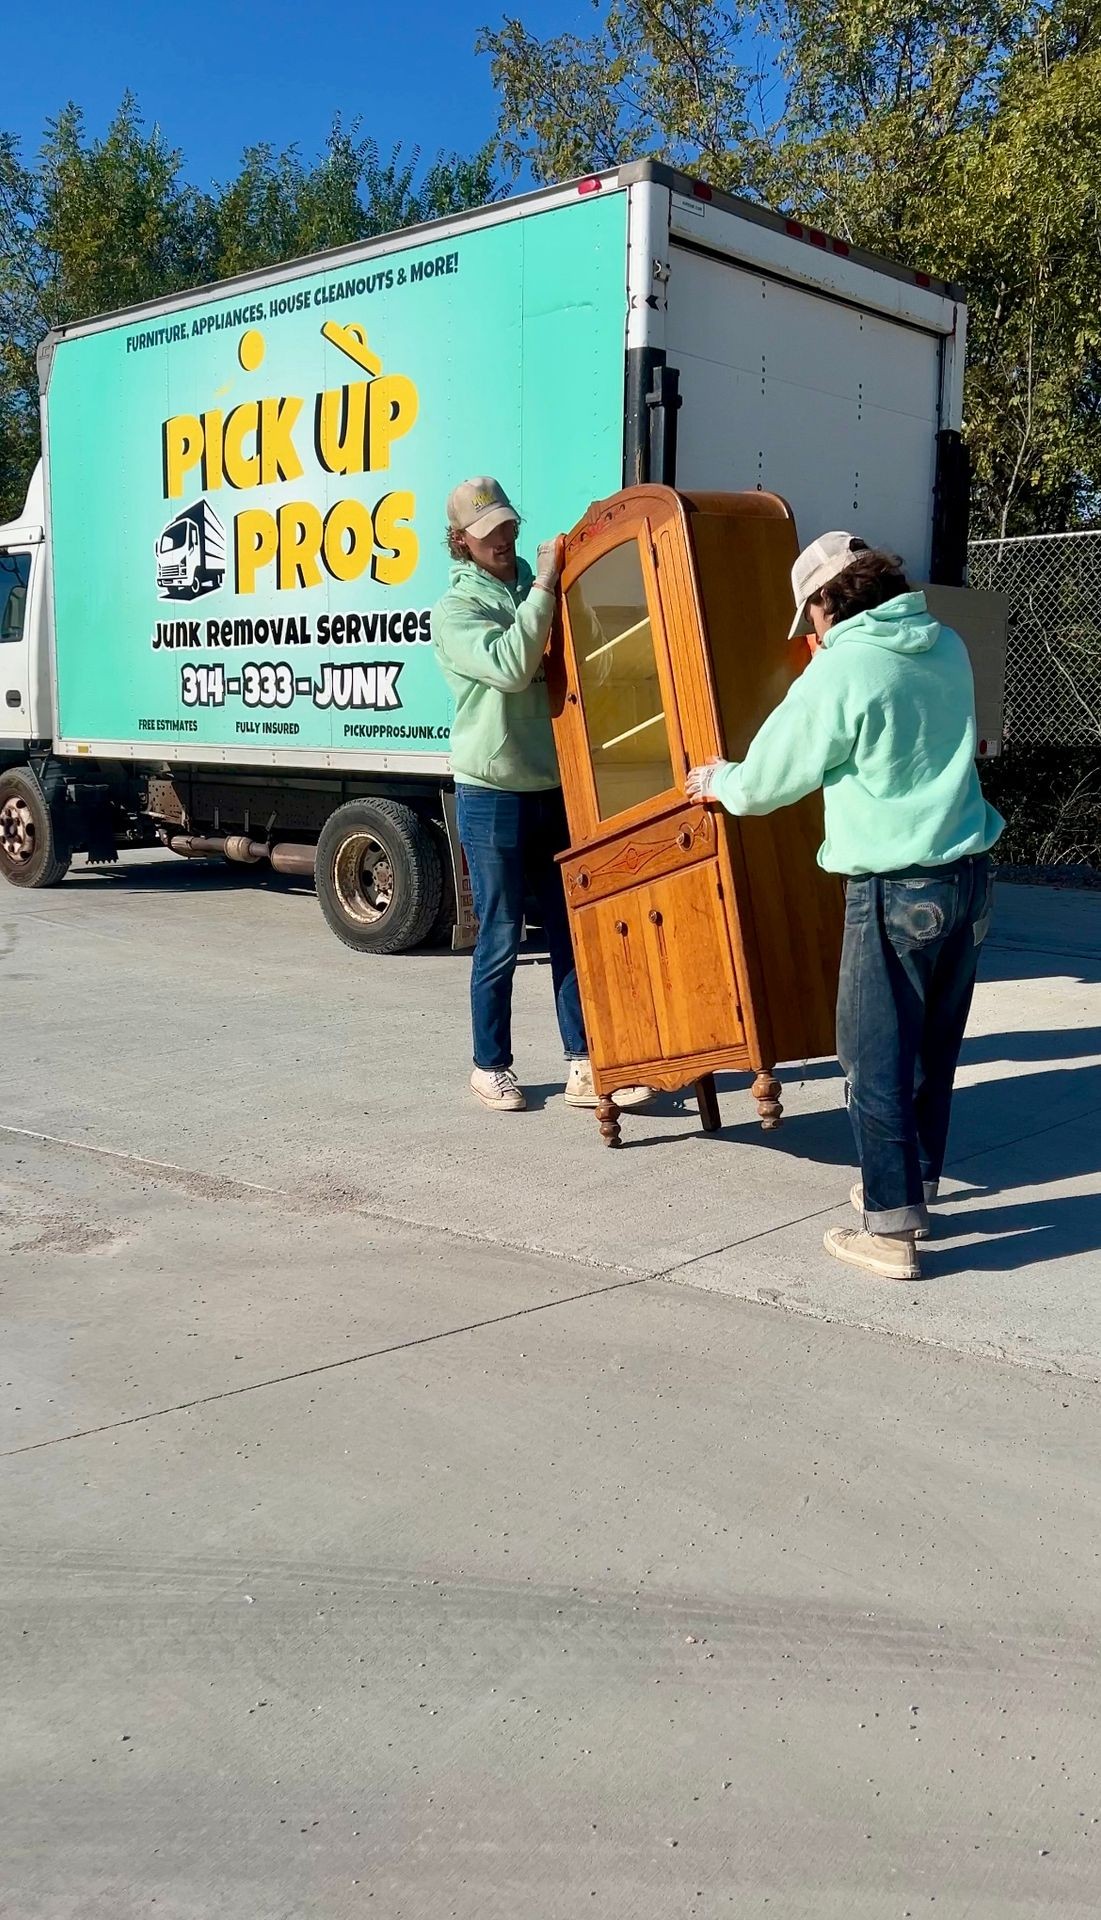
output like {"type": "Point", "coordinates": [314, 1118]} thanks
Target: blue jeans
{"type": "Point", "coordinates": [510, 840]}
{"type": "Point", "coordinates": [908, 966]}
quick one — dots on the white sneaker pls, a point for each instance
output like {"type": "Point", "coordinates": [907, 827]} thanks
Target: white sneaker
{"type": "Point", "coordinates": [892, 1256]}
{"type": "Point", "coordinates": [580, 1091]}
{"type": "Point", "coordinates": [856, 1195]}
{"type": "Point", "coordinates": [498, 1087]}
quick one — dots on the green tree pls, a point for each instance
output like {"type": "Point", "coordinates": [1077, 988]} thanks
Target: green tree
{"type": "Point", "coordinates": [965, 136]}
{"type": "Point", "coordinates": [961, 135]}
{"type": "Point", "coordinates": [95, 225]}
{"type": "Point", "coordinates": [281, 207]}
{"type": "Point", "coordinates": [662, 77]}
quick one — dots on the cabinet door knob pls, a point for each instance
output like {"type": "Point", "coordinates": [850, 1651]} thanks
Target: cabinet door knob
{"type": "Point", "coordinates": [572, 698]}
{"type": "Point", "coordinates": [621, 926]}
{"type": "Point", "coordinates": [684, 838]}
{"type": "Point", "coordinates": [655, 916]}
{"type": "Point", "coordinates": [582, 877]}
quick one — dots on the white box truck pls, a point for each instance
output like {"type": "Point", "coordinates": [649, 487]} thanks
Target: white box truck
{"type": "Point", "coordinates": [214, 610]}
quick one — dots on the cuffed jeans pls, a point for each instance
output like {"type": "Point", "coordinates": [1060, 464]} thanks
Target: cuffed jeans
{"type": "Point", "coordinates": [908, 968]}
{"type": "Point", "coordinates": [510, 841]}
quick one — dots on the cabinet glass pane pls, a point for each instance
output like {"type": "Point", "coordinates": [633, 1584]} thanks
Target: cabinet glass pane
{"type": "Point", "coordinates": [620, 691]}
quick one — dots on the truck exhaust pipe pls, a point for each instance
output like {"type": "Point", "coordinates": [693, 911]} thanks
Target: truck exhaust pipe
{"type": "Point", "coordinates": [238, 846]}
{"type": "Point", "coordinates": [289, 856]}
{"type": "Point", "coordinates": [198, 846]}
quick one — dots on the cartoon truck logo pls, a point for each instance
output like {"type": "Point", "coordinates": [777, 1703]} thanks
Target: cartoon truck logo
{"type": "Point", "coordinates": [191, 554]}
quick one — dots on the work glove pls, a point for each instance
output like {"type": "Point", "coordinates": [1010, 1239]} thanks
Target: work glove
{"type": "Point", "coordinates": [548, 564]}
{"type": "Point", "coordinates": [699, 783]}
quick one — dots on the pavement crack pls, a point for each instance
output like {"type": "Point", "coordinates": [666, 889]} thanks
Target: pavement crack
{"type": "Point", "coordinates": [327, 1366]}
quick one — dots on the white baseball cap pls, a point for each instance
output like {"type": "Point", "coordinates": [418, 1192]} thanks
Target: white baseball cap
{"type": "Point", "coordinates": [477, 506]}
{"type": "Point", "coordinates": [816, 566]}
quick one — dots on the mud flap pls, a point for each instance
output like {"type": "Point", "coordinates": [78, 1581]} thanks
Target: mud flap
{"type": "Point", "coordinates": [465, 931]}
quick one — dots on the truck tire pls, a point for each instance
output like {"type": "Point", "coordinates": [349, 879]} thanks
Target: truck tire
{"type": "Point", "coordinates": [443, 926]}
{"type": "Point", "coordinates": [32, 850]}
{"type": "Point", "coordinates": [378, 876]}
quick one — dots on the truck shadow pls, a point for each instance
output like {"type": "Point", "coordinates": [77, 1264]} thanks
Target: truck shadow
{"type": "Point", "coordinates": [182, 876]}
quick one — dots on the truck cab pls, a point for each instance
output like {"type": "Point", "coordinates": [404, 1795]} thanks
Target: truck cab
{"type": "Point", "coordinates": [177, 557]}
{"type": "Point", "coordinates": [25, 700]}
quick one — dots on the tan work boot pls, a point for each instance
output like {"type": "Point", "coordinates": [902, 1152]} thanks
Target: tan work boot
{"type": "Point", "coordinates": [892, 1256]}
{"type": "Point", "coordinates": [580, 1091]}
{"type": "Point", "coordinates": [499, 1089]}
{"type": "Point", "coordinates": [856, 1196]}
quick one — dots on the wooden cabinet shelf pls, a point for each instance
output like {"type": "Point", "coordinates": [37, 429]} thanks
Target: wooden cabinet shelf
{"type": "Point", "coordinates": [630, 662]}
{"type": "Point", "coordinates": [702, 942]}
{"type": "Point", "coordinates": [655, 720]}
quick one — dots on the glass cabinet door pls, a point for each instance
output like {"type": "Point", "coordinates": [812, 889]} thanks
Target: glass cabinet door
{"type": "Point", "coordinates": [621, 697]}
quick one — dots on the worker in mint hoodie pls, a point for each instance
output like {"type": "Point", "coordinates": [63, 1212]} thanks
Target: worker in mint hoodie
{"type": "Point", "coordinates": [883, 720]}
{"type": "Point", "coordinates": [490, 633]}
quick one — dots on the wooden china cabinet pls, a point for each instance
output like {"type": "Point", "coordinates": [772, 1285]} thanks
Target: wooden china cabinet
{"type": "Point", "coordinates": [703, 942]}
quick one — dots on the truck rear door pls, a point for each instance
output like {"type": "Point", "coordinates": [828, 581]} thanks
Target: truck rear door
{"type": "Point", "coordinates": [829, 399]}
{"type": "Point", "coordinates": [832, 405]}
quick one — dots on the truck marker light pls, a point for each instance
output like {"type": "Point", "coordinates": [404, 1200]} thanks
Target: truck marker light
{"type": "Point", "coordinates": [590, 185]}
{"type": "Point", "coordinates": [701, 190]}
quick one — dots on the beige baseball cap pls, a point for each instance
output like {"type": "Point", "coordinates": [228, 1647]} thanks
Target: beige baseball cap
{"type": "Point", "coordinates": [477, 506]}
{"type": "Point", "coordinates": [816, 566]}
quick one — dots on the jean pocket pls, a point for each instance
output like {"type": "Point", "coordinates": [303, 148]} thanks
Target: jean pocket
{"type": "Point", "coordinates": [918, 912]}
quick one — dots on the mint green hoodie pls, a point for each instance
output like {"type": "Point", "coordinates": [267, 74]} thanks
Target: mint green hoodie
{"type": "Point", "coordinates": [489, 641]}
{"type": "Point", "coordinates": [883, 719]}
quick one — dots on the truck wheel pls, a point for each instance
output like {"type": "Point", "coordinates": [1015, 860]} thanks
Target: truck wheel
{"type": "Point", "coordinates": [32, 852]}
{"type": "Point", "coordinates": [378, 876]}
{"type": "Point", "coordinates": [443, 926]}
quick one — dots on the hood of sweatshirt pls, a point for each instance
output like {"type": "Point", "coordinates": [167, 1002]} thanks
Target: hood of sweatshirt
{"type": "Point", "coordinates": [901, 625]}
{"type": "Point", "coordinates": [474, 583]}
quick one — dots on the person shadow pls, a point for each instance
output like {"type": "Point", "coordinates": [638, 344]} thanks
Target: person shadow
{"type": "Point", "coordinates": [1038, 1130]}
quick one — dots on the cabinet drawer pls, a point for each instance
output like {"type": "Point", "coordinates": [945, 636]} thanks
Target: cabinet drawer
{"type": "Point", "coordinates": [642, 853]}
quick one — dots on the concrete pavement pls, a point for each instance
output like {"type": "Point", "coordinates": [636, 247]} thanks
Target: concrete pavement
{"type": "Point", "coordinates": [399, 1521]}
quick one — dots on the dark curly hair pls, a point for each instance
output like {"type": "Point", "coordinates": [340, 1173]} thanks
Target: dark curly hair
{"type": "Point", "coordinates": [868, 581]}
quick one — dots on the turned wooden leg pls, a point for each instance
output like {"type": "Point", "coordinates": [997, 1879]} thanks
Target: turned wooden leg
{"type": "Point", "coordinates": [708, 1102]}
{"type": "Point", "coordinates": [608, 1115]}
{"type": "Point", "coordinates": [766, 1092]}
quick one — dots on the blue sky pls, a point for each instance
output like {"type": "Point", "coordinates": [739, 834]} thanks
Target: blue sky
{"type": "Point", "coordinates": [219, 75]}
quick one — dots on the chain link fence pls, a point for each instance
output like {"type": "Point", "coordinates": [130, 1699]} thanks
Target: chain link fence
{"type": "Point", "coordinates": [1053, 665]}
{"type": "Point", "coordinates": [1047, 782]}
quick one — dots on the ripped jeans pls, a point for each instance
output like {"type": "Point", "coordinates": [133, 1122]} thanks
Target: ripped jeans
{"type": "Point", "coordinates": [908, 967]}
